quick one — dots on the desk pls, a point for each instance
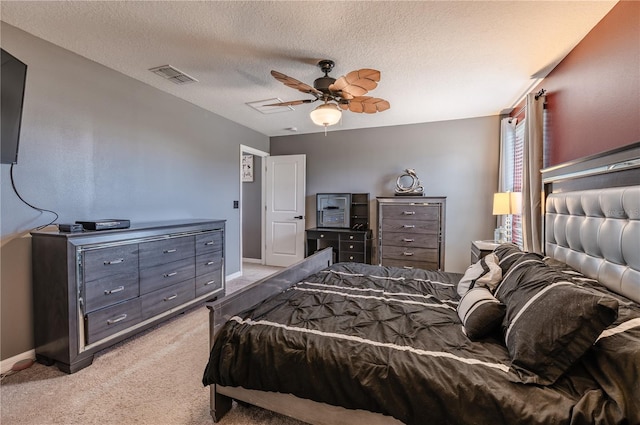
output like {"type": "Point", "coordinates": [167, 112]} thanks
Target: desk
{"type": "Point", "coordinates": [348, 245]}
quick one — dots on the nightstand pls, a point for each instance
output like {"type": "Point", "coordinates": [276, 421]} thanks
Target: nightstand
{"type": "Point", "coordinates": [481, 248]}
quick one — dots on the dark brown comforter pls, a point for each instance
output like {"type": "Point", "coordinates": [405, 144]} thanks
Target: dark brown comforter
{"type": "Point", "coordinates": [390, 341]}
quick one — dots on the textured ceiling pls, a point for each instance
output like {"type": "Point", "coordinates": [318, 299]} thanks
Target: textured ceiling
{"type": "Point", "coordinates": [440, 60]}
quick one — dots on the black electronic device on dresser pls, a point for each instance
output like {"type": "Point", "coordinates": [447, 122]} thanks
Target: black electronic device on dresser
{"type": "Point", "coordinates": [343, 224]}
{"type": "Point", "coordinates": [92, 289]}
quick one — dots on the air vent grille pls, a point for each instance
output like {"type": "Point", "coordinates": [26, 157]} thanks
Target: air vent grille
{"type": "Point", "coordinates": [173, 74]}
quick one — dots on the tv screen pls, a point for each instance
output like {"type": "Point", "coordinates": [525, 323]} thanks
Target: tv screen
{"type": "Point", "coordinates": [13, 74]}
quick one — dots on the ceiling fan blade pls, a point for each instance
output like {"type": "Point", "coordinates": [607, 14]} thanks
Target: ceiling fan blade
{"type": "Point", "coordinates": [295, 84]}
{"type": "Point", "coordinates": [368, 104]}
{"type": "Point", "coordinates": [356, 83]}
{"type": "Point", "coordinates": [292, 102]}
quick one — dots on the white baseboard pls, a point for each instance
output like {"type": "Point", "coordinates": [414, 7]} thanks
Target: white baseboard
{"type": "Point", "coordinates": [7, 364]}
{"type": "Point", "coordinates": [233, 276]}
{"type": "Point", "coordinates": [252, 260]}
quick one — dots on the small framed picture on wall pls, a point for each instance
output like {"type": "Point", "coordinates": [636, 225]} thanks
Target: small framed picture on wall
{"type": "Point", "coordinates": [247, 168]}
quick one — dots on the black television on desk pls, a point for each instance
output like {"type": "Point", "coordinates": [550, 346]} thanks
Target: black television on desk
{"type": "Point", "coordinates": [13, 75]}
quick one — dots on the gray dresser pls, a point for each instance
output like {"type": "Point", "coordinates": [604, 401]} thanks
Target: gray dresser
{"type": "Point", "coordinates": [95, 288]}
{"type": "Point", "coordinates": [411, 232]}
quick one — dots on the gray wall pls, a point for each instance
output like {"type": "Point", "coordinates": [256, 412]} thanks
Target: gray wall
{"type": "Point", "coordinates": [457, 159]}
{"type": "Point", "coordinates": [252, 214]}
{"type": "Point", "coordinates": [98, 144]}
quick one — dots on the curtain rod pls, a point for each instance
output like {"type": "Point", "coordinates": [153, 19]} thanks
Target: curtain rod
{"type": "Point", "coordinates": [541, 93]}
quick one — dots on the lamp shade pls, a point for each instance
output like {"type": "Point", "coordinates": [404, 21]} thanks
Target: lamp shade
{"type": "Point", "coordinates": [507, 203]}
{"type": "Point", "coordinates": [326, 115]}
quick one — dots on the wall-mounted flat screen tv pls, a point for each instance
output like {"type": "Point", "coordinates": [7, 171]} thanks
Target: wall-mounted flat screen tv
{"type": "Point", "coordinates": [13, 74]}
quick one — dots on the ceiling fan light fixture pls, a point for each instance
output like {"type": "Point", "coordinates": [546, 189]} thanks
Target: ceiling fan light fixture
{"type": "Point", "coordinates": [326, 115]}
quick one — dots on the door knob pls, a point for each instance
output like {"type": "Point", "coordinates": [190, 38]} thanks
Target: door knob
{"type": "Point", "coordinates": [299, 217]}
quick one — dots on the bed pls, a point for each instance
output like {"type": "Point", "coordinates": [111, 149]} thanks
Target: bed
{"type": "Point", "coordinates": [519, 338]}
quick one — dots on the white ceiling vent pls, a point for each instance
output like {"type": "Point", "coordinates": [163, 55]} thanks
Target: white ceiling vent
{"type": "Point", "coordinates": [262, 106]}
{"type": "Point", "coordinates": [172, 74]}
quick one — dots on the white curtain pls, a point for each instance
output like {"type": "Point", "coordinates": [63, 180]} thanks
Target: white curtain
{"type": "Point", "coordinates": [506, 166]}
{"type": "Point", "coordinates": [531, 179]}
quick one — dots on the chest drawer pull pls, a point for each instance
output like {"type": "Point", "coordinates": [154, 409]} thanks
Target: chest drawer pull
{"type": "Point", "coordinates": [172, 297]}
{"type": "Point", "coordinates": [170, 274]}
{"type": "Point", "coordinates": [408, 267]}
{"type": "Point", "coordinates": [408, 226]}
{"type": "Point", "coordinates": [208, 263]}
{"type": "Point", "coordinates": [209, 243]}
{"type": "Point", "coordinates": [117, 319]}
{"type": "Point", "coordinates": [116, 261]}
{"type": "Point", "coordinates": [408, 240]}
{"type": "Point", "coordinates": [408, 254]}
{"type": "Point", "coordinates": [113, 291]}
{"type": "Point", "coordinates": [211, 282]}
{"type": "Point", "coordinates": [169, 251]}
{"type": "Point", "coordinates": [350, 236]}
{"type": "Point", "coordinates": [409, 212]}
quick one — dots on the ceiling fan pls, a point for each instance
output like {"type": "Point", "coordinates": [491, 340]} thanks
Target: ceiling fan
{"type": "Point", "coordinates": [346, 93]}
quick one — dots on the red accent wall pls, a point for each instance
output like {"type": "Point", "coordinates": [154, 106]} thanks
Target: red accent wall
{"type": "Point", "coordinates": [593, 95]}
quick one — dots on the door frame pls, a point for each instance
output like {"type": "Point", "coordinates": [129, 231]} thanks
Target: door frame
{"type": "Point", "coordinates": [253, 151]}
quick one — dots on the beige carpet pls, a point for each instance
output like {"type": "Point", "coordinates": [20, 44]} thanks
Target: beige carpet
{"type": "Point", "coordinates": [152, 378]}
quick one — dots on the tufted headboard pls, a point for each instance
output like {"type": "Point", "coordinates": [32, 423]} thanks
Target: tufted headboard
{"type": "Point", "coordinates": [597, 232]}
{"type": "Point", "coordinates": [592, 217]}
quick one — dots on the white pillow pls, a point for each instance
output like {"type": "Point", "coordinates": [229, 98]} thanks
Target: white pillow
{"type": "Point", "coordinates": [485, 273]}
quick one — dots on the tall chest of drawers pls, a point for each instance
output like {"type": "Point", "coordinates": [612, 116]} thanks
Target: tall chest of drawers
{"type": "Point", "coordinates": [411, 232]}
{"type": "Point", "coordinates": [93, 289]}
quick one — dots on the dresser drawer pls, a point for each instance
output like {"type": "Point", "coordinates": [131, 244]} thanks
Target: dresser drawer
{"type": "Point", "coordinates": [167, 298]}
{"type": "Point", "coordinates": [318, 234]}
{"type": "Point", "coordinates": [166, 250]}
{"type": "Point", "coordinates": [111, 290]}
{"type": "Point", "coordinates": [420, 240]}
{"type": "Point", "coordinates": [209, 242]}
{"type": "Point", "coordinates": [353, 257]}
{"type": "Point", "coordinates": [425, 265]}
{"type": "Point", "coordinates": [409, 254]}
{"type": "Point", "coordinates": [411, 212]}
{"type": "Point", "coordinates": [410, 226]}
{"type": "Point", "coordinates": [352, 247]}
{"type": "Point", "coordinates": [208, 263]}
{"type": "Point", "coordinates": [361, 236]}
{"type": "Point", "coordinates": [117, 260]}
{"type": "Point", "coordinates": [102, 323]}
{"type": "Point", "coordinates": [165, 275]}
{"type": "Point", "coordinates": [208, 282]}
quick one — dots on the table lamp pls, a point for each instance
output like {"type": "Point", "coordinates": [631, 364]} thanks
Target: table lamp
{"type": "Point", "coordinates": [507, 204]}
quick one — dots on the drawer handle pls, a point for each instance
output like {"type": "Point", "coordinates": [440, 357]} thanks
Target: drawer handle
{"type": "Point", "coordinates": [208, 263]}
{"type": "Point", "coordinates": [113, 291]}
{"type": "Point", "coordinates": [351, 257]}
{"type": "Point", "coordinates": [170, 274]}
{"type": "Point", "coordinates": [408, 254]}
{"type": "Point", "coordinates": [116, 261]}
{"type": "Point", "coordinates": [209, 243]}
{"type": "Point", "coordinates": [408, 226]}
{"type": "Point", "coordinates": [408, 267]}
{"type": "Point", "coordinates": [172, 297]}
{"type": "Point", "coordinates": [322, 236]}
{"type": "Point", "coordinates": [211, 282]}
{"type": "Point", "coordinates": [350, 246]}
{"type": "Point", "coordinates": [408, 240]}
{"type": "Point", "coordinates": [350, 236]}
{"type": "Point", "coordinates": [409, 213]}
{"type": "Point", "coordinates": [169, 251]}
{"type": "Point", "coordinates": [117, 319]}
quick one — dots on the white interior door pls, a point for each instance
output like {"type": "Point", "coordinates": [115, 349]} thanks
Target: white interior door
{"type": "Point", "coordinates": [285, 209]}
